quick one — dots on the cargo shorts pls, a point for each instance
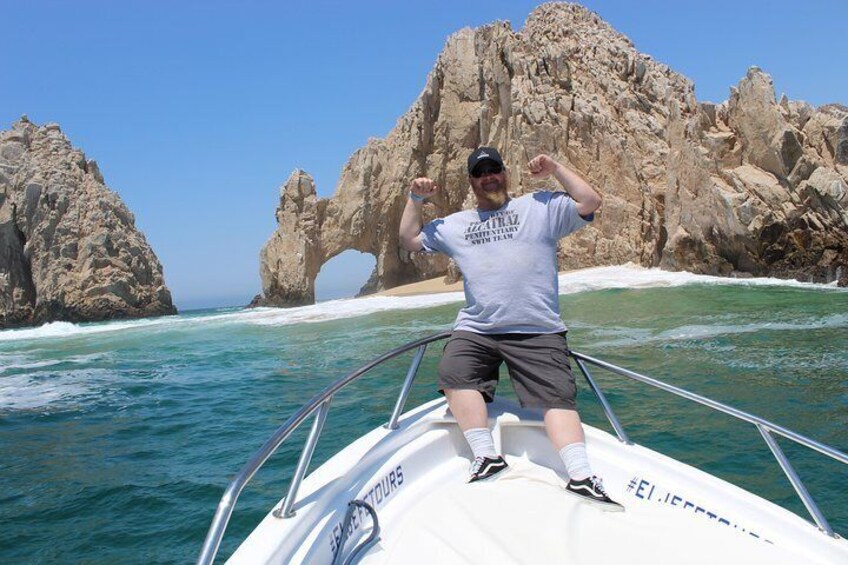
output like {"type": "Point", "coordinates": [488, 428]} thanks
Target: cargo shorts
{"type": "Point", "coordinates": [537, 363]}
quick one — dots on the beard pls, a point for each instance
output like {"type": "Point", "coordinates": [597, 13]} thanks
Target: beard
{"type": "Point", "coordinates": [492, 194]}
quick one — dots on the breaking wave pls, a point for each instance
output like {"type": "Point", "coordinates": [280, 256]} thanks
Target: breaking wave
{"type": "Point", "coordinates": [584, 280]}
{"type": "Point", "coordinates": [624, 337]}
{"type": "Point", "coordinates": [35, 391]}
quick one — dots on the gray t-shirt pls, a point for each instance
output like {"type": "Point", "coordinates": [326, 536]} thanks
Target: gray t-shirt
{"type": "Point", "coordinates": [508, 261]}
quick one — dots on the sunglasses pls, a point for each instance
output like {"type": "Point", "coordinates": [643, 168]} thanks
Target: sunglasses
{"type": "Point", "coordinates": [487, 170]}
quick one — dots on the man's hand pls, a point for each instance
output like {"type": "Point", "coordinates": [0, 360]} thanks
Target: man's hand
{"type": "Point", "coordinates": [410, 222]}
{"type": "Point", "coordinates": [585, 197]}
{"type": "Point", "coordinates": [423, 187]}
{"type": "Point", "coordinates": [542, 166]}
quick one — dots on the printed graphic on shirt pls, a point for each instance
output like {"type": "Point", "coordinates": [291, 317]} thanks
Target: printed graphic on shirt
{"type": "Point", "coordinates": [497, 227]}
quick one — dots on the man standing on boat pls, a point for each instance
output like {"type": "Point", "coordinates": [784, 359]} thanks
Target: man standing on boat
{"type": "Point", "coordinates": [506, 250]}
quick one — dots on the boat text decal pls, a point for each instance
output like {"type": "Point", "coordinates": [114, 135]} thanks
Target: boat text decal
{"type": "Point", "coordinates": [376, 496]}
{"type": "Point", "coordinates": [647, 490]}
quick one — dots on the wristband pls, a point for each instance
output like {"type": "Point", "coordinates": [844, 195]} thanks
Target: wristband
{"type": "Point", "coordinates": [417, 198]}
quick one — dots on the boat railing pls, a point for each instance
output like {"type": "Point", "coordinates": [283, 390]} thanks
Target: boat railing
{"type": "Point", "coordinates": [765, 428]}
{"type": "Point", "coordinates": [320, 403]}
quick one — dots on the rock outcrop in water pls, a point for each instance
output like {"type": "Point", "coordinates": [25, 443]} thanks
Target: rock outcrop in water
{"type": "Point", "coordinates": [69, 249]}
{"type": "Point", "coordinates": [746, 187]}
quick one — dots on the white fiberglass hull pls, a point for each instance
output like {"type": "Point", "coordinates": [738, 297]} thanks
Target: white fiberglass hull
{"type": "Point", "coordinates": [414, 478]}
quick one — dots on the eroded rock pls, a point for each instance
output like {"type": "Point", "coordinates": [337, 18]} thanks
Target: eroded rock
{"type": "Point", "coordinates": [746, 187]}
{"type": "Point", "coordinates": [69, 248]}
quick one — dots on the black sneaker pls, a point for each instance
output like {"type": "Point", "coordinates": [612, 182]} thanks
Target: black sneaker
{"type": "Point", "coordinates": [592, 490]}
{"type": "Point", "coordinates": [485, 468]}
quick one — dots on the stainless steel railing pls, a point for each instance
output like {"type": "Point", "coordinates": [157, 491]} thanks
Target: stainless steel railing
{"type": "Point", "coordinates": [321, 403]}
{"type": "Point", "coordinates": [765, 428]}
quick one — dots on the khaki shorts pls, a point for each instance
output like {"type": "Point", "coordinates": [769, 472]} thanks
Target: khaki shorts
{"type": "Point", "coordinates": [537, 363]}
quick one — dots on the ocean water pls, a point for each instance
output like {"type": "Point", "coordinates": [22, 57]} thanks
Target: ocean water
{"type": "Point", "coordinates": [117, 439]}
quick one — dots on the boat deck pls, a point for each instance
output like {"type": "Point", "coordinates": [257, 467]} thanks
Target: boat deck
{"type": "Point", "coordinates": [526, 517]}
{"type": "Point", "coordinates": [414, 478]}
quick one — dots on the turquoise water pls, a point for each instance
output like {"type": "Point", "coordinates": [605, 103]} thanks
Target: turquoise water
{"type": "Point", "coordinates": [118, 439]}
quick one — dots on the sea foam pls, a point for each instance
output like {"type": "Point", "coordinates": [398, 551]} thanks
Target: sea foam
{"type": "Point", "coordinates": [633, 276]}
{"type": "Point", "coordinates": [34, 391]}
{"type": "Point", "coordinates": [612, 337]}
{"type": "Point", "coordinates": [584, 280]}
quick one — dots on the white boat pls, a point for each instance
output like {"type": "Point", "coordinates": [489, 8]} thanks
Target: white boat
{"type": "Point", "coordinates": [398, 495]}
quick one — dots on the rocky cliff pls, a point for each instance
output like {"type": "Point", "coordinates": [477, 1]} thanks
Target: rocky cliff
{"type": "Point", "coordinates": [746, 187]}
{"type": "Point", "coordinates": [69, 249]}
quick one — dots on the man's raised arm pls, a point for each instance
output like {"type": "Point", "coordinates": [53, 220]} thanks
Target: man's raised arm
{"type": "Point", "coordinates": [410, 223]}
{"type": "Point", "coordinates": [586, 199]}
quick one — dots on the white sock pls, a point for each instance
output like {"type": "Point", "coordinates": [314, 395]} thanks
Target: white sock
{"type": "Point", "coordinates": [576, 461]}
{"type": "Point", "coordinates": [481, 442]}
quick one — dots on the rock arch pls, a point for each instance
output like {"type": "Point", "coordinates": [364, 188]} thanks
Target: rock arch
{"type": "Point", "coordinates": [345, 275]}
{"type": "Point", "coordinates": [748, 186]}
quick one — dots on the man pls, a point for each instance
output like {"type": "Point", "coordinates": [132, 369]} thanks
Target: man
{"type": "Point", "coordinates": [506, 250]}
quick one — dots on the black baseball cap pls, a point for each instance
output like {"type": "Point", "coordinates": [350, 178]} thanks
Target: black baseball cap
{"type": "Point", "coordinates": [483, 154]}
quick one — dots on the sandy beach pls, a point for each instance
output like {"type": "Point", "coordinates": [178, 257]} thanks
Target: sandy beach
{"type": "Point", "coordinates": [430, 286]}
{"type": "Point", "coordinates": [433, 286]}
{"type": "Point", "coordinates": [437, 285]}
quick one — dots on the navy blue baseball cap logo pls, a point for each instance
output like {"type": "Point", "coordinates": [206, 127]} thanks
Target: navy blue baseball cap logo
{"type": "Point", "coordinates": [483, 154]}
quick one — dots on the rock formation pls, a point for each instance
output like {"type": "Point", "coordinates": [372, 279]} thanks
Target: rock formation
{"type": "Point", "coordinates": [746, 187]}
{"type": "Point", "coordinates": [69, 249]}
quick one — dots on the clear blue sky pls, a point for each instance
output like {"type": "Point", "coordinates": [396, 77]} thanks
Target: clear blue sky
{"type": "Point", "coordinates": [198, 111]}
